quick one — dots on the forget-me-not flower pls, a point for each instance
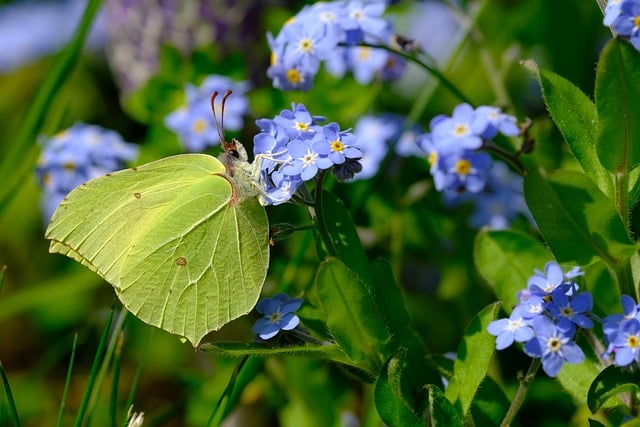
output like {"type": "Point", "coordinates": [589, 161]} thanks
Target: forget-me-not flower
{"type": "Point", "coordinates": [277, 314]}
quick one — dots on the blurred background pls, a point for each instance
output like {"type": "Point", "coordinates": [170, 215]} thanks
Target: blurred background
{"type": "Point", "coordinates": [138, 56]}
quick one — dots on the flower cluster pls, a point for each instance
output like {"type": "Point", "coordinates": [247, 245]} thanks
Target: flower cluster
{"type": "Point", "coordinates": [622, 333]}
{"type": "Point", "coordinates": [452, 145]}
{"type": "Point", "coordinates": [194, 123]}
{"type": "Point", "coordinates": [624, 17]}
{"type": "Point", "coordinates": [293, 147]}
{"type": "Point", "coordinates": [277, 315]}
{"type": "Point", "coordinates": [75, 155]}
{"type": "Point", "coordinates": [549, 313]}
{"type": "Point", "coordinates": [330, 32]}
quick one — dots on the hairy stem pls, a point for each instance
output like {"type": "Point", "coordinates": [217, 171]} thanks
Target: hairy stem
{"type": "Point", "coordinates": [523, 388]}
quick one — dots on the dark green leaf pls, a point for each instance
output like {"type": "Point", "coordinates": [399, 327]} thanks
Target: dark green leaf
{"type": "Point", "coordinates": [489, 405]}
{"type": "Point", "coordinates": [576, 118]}
{"type": "Point", "coordinates": [617, 92]}
{"type": "Point", "coordinates": [594, 423]}
{"type": "Point", "coordinates": [472, 360]}
{"type": "Point", "coordinates": [388, 301]}
{"type": "Point", "coordinates": [506, 259]}
{"type": "Point", "coordinates": [392, 406]}
{"type": "Point", "coordinates": [441, 413]}
{"type": "Point", "coordinates": [351, 316]}
{"type": "Point", "coordinates": [611, 382]}
{"type": "Point", "coordinates": [576, 219]}
{"type": "Point", "coordinates": [344, 238]}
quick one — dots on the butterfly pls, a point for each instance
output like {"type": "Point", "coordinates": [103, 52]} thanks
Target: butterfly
{"type": "Point", "coordinates": [184, 240]}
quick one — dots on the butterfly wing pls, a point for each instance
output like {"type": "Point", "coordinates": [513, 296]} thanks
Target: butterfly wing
{"type": "Point", "coordinates": [165, 235]}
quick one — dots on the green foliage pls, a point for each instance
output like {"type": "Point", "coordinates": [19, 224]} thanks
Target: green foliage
{"type": "Point", "coordinates": [577, 220]}
{"type": "Point", "coordinates": [612, 382]}
{"type": "Point", "coordinates": [472, 361]}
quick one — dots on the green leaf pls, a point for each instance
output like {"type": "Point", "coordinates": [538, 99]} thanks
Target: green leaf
{"type": "Point", "coordinates": [472, 361]}
{"type": "Point", "coordinates": [232, 349]}
{"type": "Point", "coordinates": [576, 118]}
{"type": "Point", "coordinates": [3, 270]}
{"type": "Point", "coordinates": [350, 313]}
{"type": "Point", "coordinates": [441, 413]}
{"type": "Point", "coordinates": [392, 406]}
{"type": "Point", "coordinates": [616, 93]}
{"type": "Point", "coordinates": [489, 405]}
{"type": "Point", "coordinates": [11, 404]}
{"type": "Point", "coordinates": [389, 303]}
{"type": "Point", "coordinates": [576, 219]}
{"type": "Point", "coordinates": [506, 259]}
{"type": "Point", "coordinates": [184, 247]}
{"type": "Point", "coordinates": [575, 378]}
{"type": "Point", "coordinates": [346, 244]}
{"type": "Point", "coordinates": [609, 383]}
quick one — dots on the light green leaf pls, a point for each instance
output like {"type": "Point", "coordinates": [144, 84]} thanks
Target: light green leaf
{"type": "Point", "coordinates": [506, 259]}
{"type": "Point", "coordinates": [576, 219]}
{"type": "Point", "coordinates": [472, 360]}
{"type": "Point", "coordinates": [576, 118]}
{"type": "Point", "coordinates": [182, 246]}
{"type": "Point", "coordinates": [616, 93]}
{"type": "Point", "coordinates": [575, 378]}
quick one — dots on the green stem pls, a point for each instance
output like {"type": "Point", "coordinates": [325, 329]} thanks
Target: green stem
{"type": "Point", "coordinates": [621, 196]}
{"type": "Point", "coordinates": [523, 388]}
{"type": "Point", "coordinates": [67, 383]}
{"type": "Point", "coordinates": [506, 155]}
{"type": "Point", "coordinates": [431, 70]}
{"type": "Point", "coordinates": [317, 216]}
{"type": "Point", "coordinates": [624, 275]}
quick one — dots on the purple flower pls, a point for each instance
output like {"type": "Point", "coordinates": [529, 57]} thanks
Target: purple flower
{"type": "Point", "coordinates": [278, 315]}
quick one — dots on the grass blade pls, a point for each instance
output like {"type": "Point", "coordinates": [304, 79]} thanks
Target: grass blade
{"type": "Point", "coordinates": [67, 381]}
{"type": "Point", "coordinates": [13, 412]}
{"type": "Point", "coordinates": [94, 371]}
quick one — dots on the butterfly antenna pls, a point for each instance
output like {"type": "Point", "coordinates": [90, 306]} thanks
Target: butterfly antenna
{"type": "Point", "coordinates": [217, 124]}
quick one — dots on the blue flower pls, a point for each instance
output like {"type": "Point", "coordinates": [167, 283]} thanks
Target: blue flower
{"type": "Point", "coordinates": [612, 11]}
{"type": "Point", "coordinates": [335, 145]}
{"type": "Point", "coordinates": [462, 130]}
{"type": "Point", "coordinates": [278, 315]}
{"type": "Point", "coordinates": [553, 344]}
{"type": "Point", "coordinates": [373, 137]}
{"type": "Point", "coordinates": [621, 332]}
{"type": "Point", "coordinates": [515, 328]}
{"type": "Point", "coordinates": [193, 122]}
{"type": "Point", "coordinates": [496, 121]}
{"type": "Point", "coordinates": [544, 283]}
{"type": "Point", "coordinates": [573, 309]}
{"type": "Point", "coordinates": [460, 172]}
{"type": "Point", "coordinates": [628, 22]}
{"type": "Point", "coordinates": [75, 155]}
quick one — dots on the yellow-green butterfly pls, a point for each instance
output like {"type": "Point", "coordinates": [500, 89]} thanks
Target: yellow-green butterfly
{"type": "Point", "coordinates": [183, 240]}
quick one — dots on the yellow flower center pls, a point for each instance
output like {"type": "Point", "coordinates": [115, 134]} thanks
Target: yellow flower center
{"type": "Point", "coordinates": [306, 45]}
{"type": "Point", "coordinates": [636, 21]}
{"type": "Point", "coordinates": [567, 311]}
{"type": "Point", "coordinates": [294, 76]}
{"type": "Point", "coordinates": [274, 58]}
{"type": "Point", "coordinates": [463, 167]}
{"type": "Point", "coordinates": [364, 53]}
{"type": "Point", "coordinates": [460, 130]}
{"type": "Point", "coordinates": [633, 341]}
{"type": "Point", "coordinates": [433, 158]}
{"type": "Point", "coordinates": [199, 126]}
{"type": "Point", "coordinates": [69, 166]}
{"type": "Point", "coordinates": [337, 146]}
{"type": "Point", "coordinates": [301, 126]}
